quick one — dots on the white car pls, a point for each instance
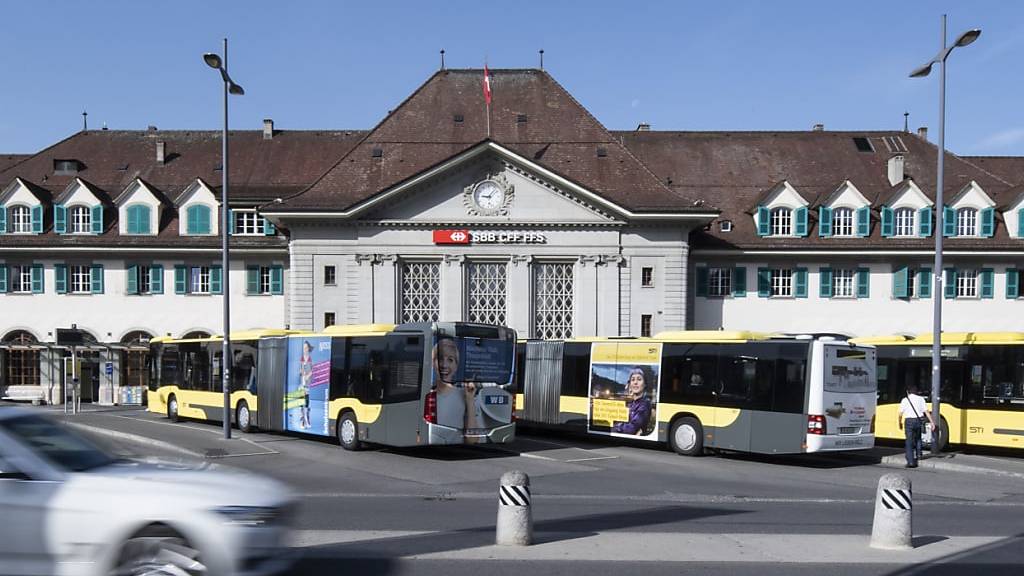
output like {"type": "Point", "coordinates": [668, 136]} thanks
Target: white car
{"type": "Point", "coordinates": [67, 507]}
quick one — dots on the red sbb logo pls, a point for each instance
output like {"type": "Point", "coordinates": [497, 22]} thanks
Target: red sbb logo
{"type": "Point", "coordinates": [451, 237]}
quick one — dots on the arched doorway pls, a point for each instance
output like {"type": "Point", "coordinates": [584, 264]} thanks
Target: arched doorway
{"type": "Point", "coordinates": [21, 359]}
{"type": "Point", "coordinates": [134, 367]}
{"type": "Point", "coordinates": [195, 334]}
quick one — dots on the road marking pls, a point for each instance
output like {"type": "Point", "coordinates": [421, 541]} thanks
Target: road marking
{"type": "Point", "coordinates": [593, 458]}
{"type": "Point", "coordinates": [265, 452]}
{"type": "Point", "coordinates": [538, 457]}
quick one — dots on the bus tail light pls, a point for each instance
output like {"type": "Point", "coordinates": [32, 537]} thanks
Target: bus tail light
{"type": "Point", "coordinates": [816, 424]}
{"type": "Point", "coordinates": [430, 407]}
{"type": "Point", "coordinates": [872, 424]}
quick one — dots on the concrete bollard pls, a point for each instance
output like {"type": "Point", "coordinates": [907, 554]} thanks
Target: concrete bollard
{"type": "Point", "coordinates": [515, 515]}
{"type": "Point", "coordinates": [893, 528]}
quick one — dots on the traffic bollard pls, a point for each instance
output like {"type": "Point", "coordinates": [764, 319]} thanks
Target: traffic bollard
{"type": "Point", "coordinates": [515, 515]}
{"type": "Point", "coordinates": [893, 527]}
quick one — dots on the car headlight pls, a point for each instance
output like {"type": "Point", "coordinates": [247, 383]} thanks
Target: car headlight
{"type": "Point", "coordinates": [249, 515]}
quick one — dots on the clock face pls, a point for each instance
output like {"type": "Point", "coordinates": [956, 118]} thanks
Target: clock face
{"type": "Point", "coordinates": [488, 195]}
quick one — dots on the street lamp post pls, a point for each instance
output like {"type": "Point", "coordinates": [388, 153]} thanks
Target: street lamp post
{"type": "Point", "coordinates": [216, 62]}
{"type": "Point", "coordinates": [938, 294]}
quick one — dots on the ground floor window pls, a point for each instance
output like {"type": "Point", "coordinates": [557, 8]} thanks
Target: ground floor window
{"type": "Point", "coordinates": [421, 291]}
{"type": "Point", "coordinates": [553, 300]}
{"type": "Point", "coordinates": [719, 281]}
{"type": "Point", "coordinates": [81, 279]}
{"type": "Point", "coordinates": [22, 365]}
{"type": "Point", "coordinates": [487, 285]}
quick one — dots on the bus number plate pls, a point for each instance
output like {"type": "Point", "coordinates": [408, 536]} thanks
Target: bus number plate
{"type": "Point", "coordinates": [849, 429]}
{"type": "Point", "coordinates": [497, 399]}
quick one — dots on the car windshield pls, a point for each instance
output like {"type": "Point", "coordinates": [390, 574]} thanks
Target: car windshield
{"type": "Point", "coordinates": [56, 443]}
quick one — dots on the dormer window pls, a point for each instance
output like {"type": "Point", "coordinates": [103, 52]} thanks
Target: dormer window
{"type": "Point", "coordinates": [65, 167]}
{"type": "Point", "coordinates": [81, 219]}
{"type": "Point", "coordinates": [967, 222]}
{"type": "Point", "coordinates": [198, 216]}
{"type": "Point", "coordinates": [782, 222]}
{"type": "Point", "coordinates": [905, 225]}
{"type": "Point", "coordinates": [21, 220]}
{"type": "Point", "coordinates": [138, 219]}
{"type": "Point", "coordinates": [842, 222]}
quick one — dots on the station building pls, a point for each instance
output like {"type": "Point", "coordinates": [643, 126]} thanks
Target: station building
{"type": "Point", "coordinates": [528, 213]}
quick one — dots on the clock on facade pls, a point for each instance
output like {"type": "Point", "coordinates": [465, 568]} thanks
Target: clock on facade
{"type": "Point", "coordinates": [489, 196]}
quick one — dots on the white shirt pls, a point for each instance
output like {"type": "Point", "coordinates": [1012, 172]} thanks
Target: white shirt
{"type": "Point", "coordinates": [910, 404]}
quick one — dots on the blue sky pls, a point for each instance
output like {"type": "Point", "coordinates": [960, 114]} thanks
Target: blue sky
{"type": "Point", "coordinates": [729, 65]}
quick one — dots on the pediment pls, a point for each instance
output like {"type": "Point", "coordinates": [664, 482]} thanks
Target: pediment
{"type": "Point", "coordinates": [80, 193]}
{"type": "Point", "coordinates": [846, 196]}
{"type": "Point", "coordinates": [784, 195]}
{"type": "Point", "coordinates": [136, 192]}
{"type": "Point", "coordinates": [19, 192]}
{"type": "Point", "coordinates": [908, 195]}
{"type": "Point", "coordinates": [513, 193]}
{"type": "Point", "coordinates": [198, 191]}
{"type": "Point", "coordinates": [972, 195]}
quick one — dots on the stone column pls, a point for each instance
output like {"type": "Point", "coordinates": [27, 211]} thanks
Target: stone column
{"type": "Point", "coordinates": [385, 292]}
{"type": "Point", "coordinates": [585, 287]}
{"type": "Point", "coordinates": [519, 295]}
{"type": "Point", "coordinates": [453, 287]}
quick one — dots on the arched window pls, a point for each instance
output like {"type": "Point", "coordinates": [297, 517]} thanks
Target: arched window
{"type": "Point", "coordinates": [967, 222]}
{"type": "Point", "coordinates": [842, 222]}
{"type": "Point", "coordinates": [198, 218]}
{"type": "Point", "coordinates": [782, 222]}
{"type": "Point", "coordinates": [81, 219]}
{"type": "Point", "coordinates": [905, 221]}
{"type": "Point", "coordinates": [21, 219]}
{"type": "Point", "coordinates": [134, 359]}
{"type": "Point", "coordinates": [195, 334]}
{"type": "Point", "coordinates": [22, 365]}
{"type": "Point", "coordinates": [138, 219]}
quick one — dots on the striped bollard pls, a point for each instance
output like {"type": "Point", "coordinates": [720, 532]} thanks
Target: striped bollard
{"type": "Point", "coordinates": [515, 515]}
{"type": "Point", "coordinates": [893, 528]}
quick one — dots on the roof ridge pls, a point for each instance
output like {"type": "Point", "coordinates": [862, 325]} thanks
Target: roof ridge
{"type": "Point", "coordinates": [40, 152]}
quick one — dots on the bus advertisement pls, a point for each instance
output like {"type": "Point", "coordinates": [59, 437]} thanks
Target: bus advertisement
{"type": "Point", "coordinates": [624, 389]}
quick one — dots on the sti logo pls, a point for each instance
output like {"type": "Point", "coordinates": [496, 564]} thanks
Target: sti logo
{"type": "Point", "coordinates": [451, 237]}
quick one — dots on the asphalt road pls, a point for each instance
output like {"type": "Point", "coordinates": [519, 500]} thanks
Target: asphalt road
{"type": "Point", "coordinates": [604, 508]}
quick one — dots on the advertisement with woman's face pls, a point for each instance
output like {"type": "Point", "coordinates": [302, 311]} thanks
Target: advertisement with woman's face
{"type": "Point", "coordinates": [466, 376]}
{"type": "Point", "coordinates": [624, 380]}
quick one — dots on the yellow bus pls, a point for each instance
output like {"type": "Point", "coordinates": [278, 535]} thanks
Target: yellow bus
{"type": "Point", "coordinates": [397, 385]}
{"type": "Point", "coordinates": [982, 388]}
{"type": "Point", "coordinates": [704, 390]}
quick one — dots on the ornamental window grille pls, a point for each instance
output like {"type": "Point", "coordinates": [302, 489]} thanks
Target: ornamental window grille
{"type": "Point", "coordinates": [967, 222]}
{"type": "Point", "coordinates": [81, 220]}
{"type": "Point", "coordinates": [719, 281]}
{"type": "Point", "coordinates": [966, 283]}
{"type": "Point", "coordinates": [782, 282]}
{"type": "Point", "coordinates": [842, 283]}
{"type": "Point", "coordinates": [905, 221]}
{"type": "Point", "coordinates": [842, 222]}
{"type": "Point", "coordinates": [553, 300]}
{"type": "Point", "coordinates": [21, 279]}
{"type": "Point", "coordinates": [22, 365]}
{"type": "Point", "coordinates": [782, 222]}
{"type": "Point", "coordinates": [487, 293]}
{"type": "Point", "coordinates": [421, 291]}
{"type": "Point", "coordinates": [81, 279]}
{"type": "Point", "coordinates": [248, 223]}
{"type": "Point", "coordinates": [21, 219]}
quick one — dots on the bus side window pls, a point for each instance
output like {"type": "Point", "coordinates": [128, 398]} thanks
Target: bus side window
{"type": "Point", "coordinates": [404, 372]}
{"type": "Point", "coordinates": [366, 369]}
{"type": "Point", "coordinates": [341, 387]}
{"type": "Point", "coordinates": [689, 373]}
{"type": "Point", "coordinates": [576, 369]}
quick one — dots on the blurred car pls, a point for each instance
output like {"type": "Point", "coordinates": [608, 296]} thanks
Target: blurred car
{"type": "Point", "coordinates": [68, 507]}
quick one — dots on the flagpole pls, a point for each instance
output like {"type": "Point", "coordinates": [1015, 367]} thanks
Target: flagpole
{"type": "Point", "coordinates": [487, 96]}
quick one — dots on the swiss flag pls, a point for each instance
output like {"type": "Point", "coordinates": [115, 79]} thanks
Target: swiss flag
{"type": "Point", "coordinates": [487, 85]}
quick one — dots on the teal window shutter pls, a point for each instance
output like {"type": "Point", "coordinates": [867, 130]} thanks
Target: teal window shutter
{"type": "Point", "coordinates": [191, 220]}
{"type": "Point", "coordinates": [60, 218]}
{"type": "Point", "coordinates": [864, 221]}
{"type": "Point", "coordinates": [924, 222]}
{"type": "Point", "coordinates": [133, 219]}
{"type": "Point", "coordinates": [987, 283]}
{"type": "Point", "coordinates": [764, 282]}
{"type": "Point", "coordinates": [97, 278]}
{"type": "Point", "coordinates": [60, 278]}
{"type": "Point", "coordinates": [3, 279]}
{"type": "Point", "coordinates": [701, 286]}
{"type": "Point", "coordinates": [800, 214]}
{"type": "Point", "coordinates": [863, 283]}
{"type": "Point", "coordinates": [739, 282]}
{"type": "Point", "coordinates": [824, 221]}
{"type": "Point", "coordinates": [231, 221]}
{"type": "Point", "coordinates": [277, 280]}
{"type": "Point", "coordinates": [888, 222]}
{"type": "Point", "coordinates": [198, 219]}
{"type": "Point", "coordinates": [901, 282]}
{"type": "Point", "coordinates": [988, 222]}
{"type": "Point", "coordinates": [1020, 223]}
{"type": "Point", "coordinates": [763, 221]}
{"type": "Point", "coordinates": [252, 280]}
{"type": "Point", "coordinates": [268, 228]}
{"type": "Point", "coordinates": [948, 221]}
{"type": "Point", "coordinates": [97, 219]}
{"type": "Point", "coordinates": [950, 283]}
{"type": "Point", "coordinates": [156, 279]}
{"type": "Point", "coordinates": [138, 219]}
{"type": "Point", "coordinates": [3, 219]}
{"type": "Point", "coordinates": [825, 282]}
{"type": "Point", "coordinates": [180, 280]}
{"type": "Point", "coordinates": [1012, 283]}
{"type": "Point", "coordinates": [37, 219]}
{"type": "Point", "coordinates": [215, 279]}
{"type": "Point", "coordinates": [924, 283]}
{"type": "Point", "coordinates": [800, 283]}
{"type": "Point", "coordinates": [132, 280]}
{"type": "Point", "coordinates": [144, 220]}
{"type": "Point", "coordinates": [37, 279]}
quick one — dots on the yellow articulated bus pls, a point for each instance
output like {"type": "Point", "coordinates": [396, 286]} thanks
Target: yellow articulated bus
{"type": "Point", "coordinates": [396, 385]}
{"type": "Point", "coordinates": [982, 389]}
{"type": "Point", "coordinates": [699, 390]}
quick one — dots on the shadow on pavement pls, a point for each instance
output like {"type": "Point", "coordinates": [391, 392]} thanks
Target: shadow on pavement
{"type": "Point", "coordinates": [997, 558]}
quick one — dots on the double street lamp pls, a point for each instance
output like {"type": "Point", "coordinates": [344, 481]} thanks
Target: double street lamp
{"type": "Point", "coordinates": [938, 294]}
{"type": "Point", "coordinates": [218, 63]}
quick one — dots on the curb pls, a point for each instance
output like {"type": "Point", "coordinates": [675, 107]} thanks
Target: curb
{"type": "Point", "coordinates": [135, 438]}
{"type": "Point", "coordinates": [942, 463]}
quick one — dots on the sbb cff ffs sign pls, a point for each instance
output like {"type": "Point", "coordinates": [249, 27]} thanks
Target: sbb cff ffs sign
{"type": "Point", "coordinates": [487, 237]}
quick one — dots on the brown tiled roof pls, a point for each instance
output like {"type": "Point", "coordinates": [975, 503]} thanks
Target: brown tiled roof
{"type": "Point", "coordinates": [557, 133]}
{"type": "Point", "coordinates": [8, 160]}
{"type": "Point", "coordinates": [1009, 168]}
{"type": "Point", "coordinates": [732, 171]}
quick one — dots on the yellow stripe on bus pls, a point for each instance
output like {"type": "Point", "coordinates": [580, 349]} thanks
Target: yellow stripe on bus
{"type": "Point", "coordinates": [365, 413]}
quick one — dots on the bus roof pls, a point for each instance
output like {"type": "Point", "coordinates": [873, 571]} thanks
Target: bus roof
{"type": "Point", "coordinates": [358, 329]}
{"type": "Point", "coordinates": [948, 339]}
{"type": "Point", "coordinates": [711, 335]}
{"type": "Point", "coordinates": [241, 335]}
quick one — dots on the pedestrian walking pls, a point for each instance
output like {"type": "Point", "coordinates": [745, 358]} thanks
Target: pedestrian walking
{"type": "Point", "coordinates": [912, 414]}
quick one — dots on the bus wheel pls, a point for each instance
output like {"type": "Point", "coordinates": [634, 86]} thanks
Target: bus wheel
{"type": "Point", "coordinates": [348, 431]}
{"type": "Point", "coordinates": [941, 436]}
{"type": "Point", "coordinates": [243, 417]}
{"type": "Point", "coordinates": [687, 437]}
{"type": "Point", "coordinates": [172, 408]}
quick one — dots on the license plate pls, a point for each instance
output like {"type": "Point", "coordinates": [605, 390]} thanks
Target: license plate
{"type": "Point", "coordinates": [849, 429]}
{"type": "Point", "coordinates": [496, 400]}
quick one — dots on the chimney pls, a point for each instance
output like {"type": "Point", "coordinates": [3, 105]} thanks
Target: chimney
{"type": "Point", "coordinates": [643, 127]}
{"type": "Point", "coordinates": [268, 129]}
{"type": "Point", "coordinates": [895, 166]}
{"type": "Point", "coordinates": [819, 128]}
{"type": "Point", "coordinates": [922, 132]}
{"type": "Point", "coordinates": [161, 149]}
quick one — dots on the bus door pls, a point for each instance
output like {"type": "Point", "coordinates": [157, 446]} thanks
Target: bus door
{"type": "Point", "coordinates": [737, 374]}
{"type": "Point", "coordinates": [403, 388]}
